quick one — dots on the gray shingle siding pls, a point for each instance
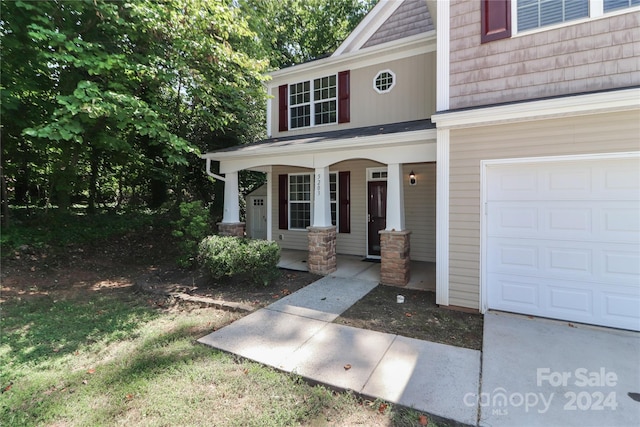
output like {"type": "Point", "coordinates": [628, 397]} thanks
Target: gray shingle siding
{"type": "Point", "coordinates": [411, 18]}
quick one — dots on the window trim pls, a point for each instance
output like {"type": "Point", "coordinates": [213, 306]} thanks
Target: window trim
{"type": "Point", "coordinates": [312, 102]}
{"type": "Point", "coordinates": [596, 11]}
{"type": "Point", "coordinates": [393, 82]}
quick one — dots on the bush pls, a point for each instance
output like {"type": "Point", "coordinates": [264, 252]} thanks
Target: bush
{"type": "Point", "coordinates": [233, 256]}
{"type": "Point", "coordinates": [191, 228]}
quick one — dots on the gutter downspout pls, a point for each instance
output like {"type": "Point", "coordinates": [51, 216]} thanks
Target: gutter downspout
{"type": "Point", "coordinates": [211, 173]}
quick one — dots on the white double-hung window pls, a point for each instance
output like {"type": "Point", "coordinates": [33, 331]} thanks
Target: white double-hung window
{"type": "Point", "coordinates": [532, 14]}
{"type": "Point", "coordinates": [301, 200]}
{"type": "Point", "coordinates": [315, 107]}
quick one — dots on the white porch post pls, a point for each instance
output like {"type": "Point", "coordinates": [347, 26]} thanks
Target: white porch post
{"type": "Point", "coordinates": [395, 198]}
{"type": "Point", "coordinates": [231, 213]}
{"type": "Point", "coordinates": [321, 200]}
{"type": "Point", "coordinates": [442, 218]}
{"type": "Point", "coordinates": [269, 205]}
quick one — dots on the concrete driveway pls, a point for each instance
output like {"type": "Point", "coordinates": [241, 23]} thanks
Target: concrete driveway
{"type": "Point", "coordinates": [538, 372]}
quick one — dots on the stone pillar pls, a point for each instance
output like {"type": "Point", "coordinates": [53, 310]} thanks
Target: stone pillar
{"type": "Point", "coordinates": [322, 250]}
{"type": "Point", "coordinates": [395, 263]}
{"type": "Point", "coordinates": [231, 229]}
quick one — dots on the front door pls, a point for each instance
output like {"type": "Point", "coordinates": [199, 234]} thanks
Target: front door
{"type": "Point", "coordinates": [377, 215]}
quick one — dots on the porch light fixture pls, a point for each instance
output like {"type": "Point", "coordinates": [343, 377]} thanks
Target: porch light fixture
{"type": "Point", "coordinates": [412, 178]}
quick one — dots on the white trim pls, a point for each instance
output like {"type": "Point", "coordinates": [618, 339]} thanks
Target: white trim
{"type": "Point", "coordinates": [374, 55]}
{"type": "Point", "coordinates": [485, 164]}
{"type": "Point", "coordinates": [269, 107]}
{"type": "Point", "coordinates": [368, 26]}
{"type": "Point", "coordinates": [443, 61]}
{"type": "Point", "coordinates": [442, 218]}
{"type": "Point", "coordinates": [393, 81]}
{"type": "Point", "coordinates": [567, 106]}
{"type": "Point", "coordinates": [346, 144]}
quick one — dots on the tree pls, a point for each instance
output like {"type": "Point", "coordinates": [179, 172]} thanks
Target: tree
{"type": "Point", "coordinates": [113, 88]}
{"type": "Point", "coordinates": [296, 31]}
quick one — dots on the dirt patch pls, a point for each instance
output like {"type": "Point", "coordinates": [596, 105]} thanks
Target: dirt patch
{"type": "Point", "coordinates": [418, 317]}
{"type": "Point", "coordinates": [145, 261]}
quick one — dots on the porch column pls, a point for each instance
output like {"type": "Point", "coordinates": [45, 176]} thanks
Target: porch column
{"type": "Point", "coordinates": [231, 225]}
{"type": "Point", "coordinates": [321, 200]}
{"type": "Point", "coordinates": [394, 240]}
{"type": "Point", "coordinates": [395, 198]}
{"type": "Point", "coordinates": [322, 234]}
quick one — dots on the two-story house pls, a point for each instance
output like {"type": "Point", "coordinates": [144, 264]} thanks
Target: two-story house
{"type": "Point", "coordinates": [498, 138]}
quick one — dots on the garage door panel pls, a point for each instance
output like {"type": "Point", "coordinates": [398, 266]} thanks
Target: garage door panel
{"type": "Point", "coordinates": [621, 308]}
{"type": "Point", "coordinates": [615, 263]}
{"type": "Point", "coordinates": [608, 221]}
{"type": "Point", "coordinates": [515, 294]}
{"type": "Point", "coordinates": [569, 301]}
{"type": "Point", "coordinates": [622, 264]}
{"type": "Point", "coordinates": [563, 240]}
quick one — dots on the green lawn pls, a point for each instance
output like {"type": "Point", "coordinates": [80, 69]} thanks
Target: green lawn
{"type": "Point", "coordinates": [115, 360]}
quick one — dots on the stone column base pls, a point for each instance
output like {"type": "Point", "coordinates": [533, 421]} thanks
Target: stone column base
{"type": "Point", "coordinates": [235, 229]}
{"type": "Point", "coordinates": [395, 263]}
{"type": "Point", "coordinates": [322, 250]}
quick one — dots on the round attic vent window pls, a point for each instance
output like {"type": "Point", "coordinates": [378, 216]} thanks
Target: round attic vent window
{"type": "Point", "coordinates": [384, 81]}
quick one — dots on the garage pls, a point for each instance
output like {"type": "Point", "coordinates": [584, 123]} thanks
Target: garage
{"type": "Point", "coordinates": [561, 238]}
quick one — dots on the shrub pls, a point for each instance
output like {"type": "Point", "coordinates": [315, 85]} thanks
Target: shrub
{"type": "Point", "coordinates": [232, 256]}
{"type": "Point", "coordinates": [191, 228]}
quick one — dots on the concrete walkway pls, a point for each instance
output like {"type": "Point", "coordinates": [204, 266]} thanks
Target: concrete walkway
{"type": "Point", "coordinates": [534, 372]}
{"type": "Point", "coordinates": [295, 334]}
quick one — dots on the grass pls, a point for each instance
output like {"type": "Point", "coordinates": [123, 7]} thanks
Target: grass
{"type": "Point", "coordinates": [104, 360]}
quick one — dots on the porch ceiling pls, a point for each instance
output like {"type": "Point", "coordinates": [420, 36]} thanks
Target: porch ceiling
{"type": "Point", "coordinates": [404, 142]}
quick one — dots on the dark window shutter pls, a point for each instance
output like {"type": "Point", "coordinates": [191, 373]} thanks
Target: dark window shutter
{"type": "Point", "coordinates": [344, 183]}
{"type": "Point", "coordinates": [344, 104]}
{"type": "Point", "coordinates": [283, 203]}
{"type": "Point", "coordinates": [496, 20]}
{"type": "Point", "coordinates": [283, 108]}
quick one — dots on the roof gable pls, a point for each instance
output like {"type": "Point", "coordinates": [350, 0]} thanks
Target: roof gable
{"type": "Point", "coordinates": [389, 21]}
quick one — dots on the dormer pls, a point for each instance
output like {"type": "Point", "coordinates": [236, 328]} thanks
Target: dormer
{"type": "Point", "coordinates": [384, 72]}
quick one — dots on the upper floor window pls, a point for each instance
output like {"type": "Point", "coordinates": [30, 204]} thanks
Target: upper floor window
{"type": "Point", "coordinates": [384, 81]}
{"type": "Point", "coordinates": [540, 13]}
{"type": "Point", "coordinates": [313, 107]}
{"type": "Point", "coordinates": [497, 22]}
{"type": "Point", "coordinates": [610, 5]}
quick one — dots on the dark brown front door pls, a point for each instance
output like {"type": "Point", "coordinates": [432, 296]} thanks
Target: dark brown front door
{"type": "Point", "coordinates": [377, 214]}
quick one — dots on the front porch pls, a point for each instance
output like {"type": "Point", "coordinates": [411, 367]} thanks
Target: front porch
{"type": "Point", "coordinates": [423, 274]}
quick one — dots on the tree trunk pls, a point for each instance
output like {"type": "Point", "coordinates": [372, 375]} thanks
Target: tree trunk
{"type": "Point", "coordinates": [93, 181]}
{"type": "Point", "coordinates": [4, 198]}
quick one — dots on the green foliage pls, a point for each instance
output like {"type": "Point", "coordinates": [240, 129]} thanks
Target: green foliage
{"type": "Point", "coordinates": [231, 256]}
{"type": "Point", "coordinates": [190, 229]}
{"type": "Point", "coordinates": [296, 31]}
{"type": "Point", "coordinates": [101, 94]}
{"type": "Point", "coordinates": [58, 230]}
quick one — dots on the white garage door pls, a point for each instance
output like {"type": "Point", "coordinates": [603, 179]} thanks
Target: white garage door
{"type": "Point", "coordinates": [563, 240]}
